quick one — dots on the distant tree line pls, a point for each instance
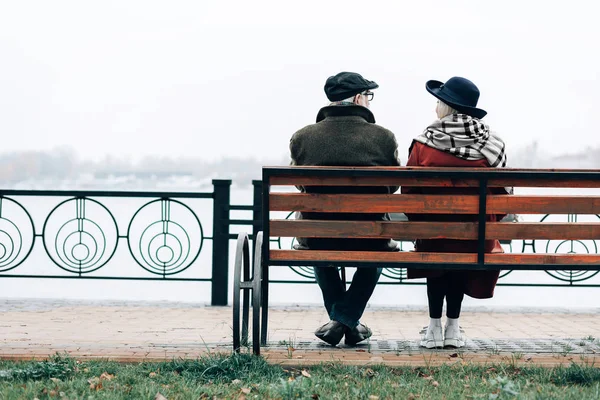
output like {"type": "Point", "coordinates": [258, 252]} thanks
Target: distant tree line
{"type": "Point", "coordinates": [63, 164]}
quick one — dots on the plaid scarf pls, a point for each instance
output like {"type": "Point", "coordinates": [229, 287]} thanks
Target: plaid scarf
{"type": "Point", "coordinates": [465, 137]}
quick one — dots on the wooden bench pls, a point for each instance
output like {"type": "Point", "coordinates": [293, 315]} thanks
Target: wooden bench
{"type": "Point", "coordinates": [478, 204]}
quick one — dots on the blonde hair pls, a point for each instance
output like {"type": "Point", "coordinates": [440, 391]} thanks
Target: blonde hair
{"type": "Point", "coordinates": [444, 109]}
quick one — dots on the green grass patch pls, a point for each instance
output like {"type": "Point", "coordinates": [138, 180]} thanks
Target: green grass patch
{"type": "Point", "coordinates": [243, 376]}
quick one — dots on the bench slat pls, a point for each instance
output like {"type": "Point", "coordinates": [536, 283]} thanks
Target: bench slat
{"type": "Point", "coordinates": [424, 182]}
{"type": "Point", "coordinates": [433, 230]}
{"type": "Point", "coordinates": [414, 257]}
{"type": "Point", "coordinates": [432, 204]}
{"type": "Point", "coordinates": [373, 203]}
{"type": "Point", "coordinates": [431, 176]}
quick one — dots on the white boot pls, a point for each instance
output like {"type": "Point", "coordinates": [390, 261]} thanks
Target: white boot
{"type": "Point", "coordinates": [432, 335]}
{"type": "Point", "coordinates": [453, 335]}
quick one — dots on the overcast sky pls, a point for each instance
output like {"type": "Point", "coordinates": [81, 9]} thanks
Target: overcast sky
{"type": "Point", "coordinates": [238, 78]}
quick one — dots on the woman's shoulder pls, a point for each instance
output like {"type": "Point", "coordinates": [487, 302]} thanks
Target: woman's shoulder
{"type": "Point", "coordinates": [430, 157]}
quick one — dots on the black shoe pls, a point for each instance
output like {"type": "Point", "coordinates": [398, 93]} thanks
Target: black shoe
{"type": "Point", "coordinates": [332, 332]}
{"type": "Point", "coordinates": [357, 334]}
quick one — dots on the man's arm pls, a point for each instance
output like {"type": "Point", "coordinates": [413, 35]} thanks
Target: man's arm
{"type": "Point", "coordinates": [394, 159]}
{"type": "Point", "coordinates": [294, 149]}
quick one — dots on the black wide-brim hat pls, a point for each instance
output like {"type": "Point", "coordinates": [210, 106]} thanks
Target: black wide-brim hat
{"type": "Point", "coordinates": [347, 84]}
{"type": "Point", "coordinates": [459, 93]}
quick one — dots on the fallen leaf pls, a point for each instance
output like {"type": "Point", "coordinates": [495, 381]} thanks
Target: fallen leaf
{"type": "Point", "coordinates": [106, 376]}
{"type": "Point", "coordinates": [152, 374]}
{"type": "Point", "coordinates": [52, 393]}
{"type": "Point", "coordinates": [55, 380]}
{"type": "Point", "coordinates": [420, 372]}
{"type": "Point", "coordinates": [242, 397]}
{"type": "Point", "coordinates": [305, 373]}
{"type": "Point", "coordinates": [395, 385]}
{"type": "Point", "coordinates": [86, 370]}
{"type": "Point", "coordinates": [159, 396]}
{"type": "Point", "coordinates": [236, 382]}
{"type": "Point", "coordinates": [435, 383]}
{"type": "Point", "coordinates": [373, 397]}
{"type": "Point", "coordinates": [453, 355]}
{"type": "Point", "coordinates": [428, 377]}
{"type": "Point", "coordinates": [95, 383]}
{"type": "Point", "coordinates": [61, 394]}
{"type": "Point", "coordinates": [412, 396]}
{"type": "Point", "coordinates": [467, 386]}
{"type": "Point", "coordinates": [246, 390]}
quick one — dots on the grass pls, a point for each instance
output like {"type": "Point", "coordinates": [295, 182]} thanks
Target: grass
{"type": "Point", "coordinates": [243, 376]}
{"type": "Point", "coordinates": [290, 346]}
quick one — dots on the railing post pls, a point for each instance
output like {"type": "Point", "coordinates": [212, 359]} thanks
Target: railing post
{"type": "Point", "coordinates": [256, 210]}
{"type": "Point", "coordinates": [256, 215]}
{"type": "Point", "coordinates": [220, 242]}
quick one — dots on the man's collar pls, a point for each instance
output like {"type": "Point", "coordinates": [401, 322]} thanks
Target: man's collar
{"type": "Point", "coordinates": [346, 111]}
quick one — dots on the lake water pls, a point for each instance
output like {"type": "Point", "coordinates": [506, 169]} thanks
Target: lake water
{"type": "Point", "coordinates": [122, 263]}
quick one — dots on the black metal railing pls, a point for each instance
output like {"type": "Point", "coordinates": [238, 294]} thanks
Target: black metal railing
{"type": "Point", "coordinates": [81, 234]}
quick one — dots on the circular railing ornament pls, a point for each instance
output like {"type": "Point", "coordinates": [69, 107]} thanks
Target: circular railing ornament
{"type": "Point", "coordinates": [399, 274]}
{"type": "Point", "coordinates": [80, 235]}
{"type": "Point", "coordinates": [568, 247]}
{"type": "Point", "coordinates": [17, 234]}
{"type": "Point", "coordinates": [171, 242]}
{"type": "Point", "coordinates": [303, 271]}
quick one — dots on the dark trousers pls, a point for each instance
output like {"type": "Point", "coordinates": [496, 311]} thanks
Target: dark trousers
{"type": "Point", "coordinates": [346, 306]}
{"type": "Point", "coordinates": [449, 286]}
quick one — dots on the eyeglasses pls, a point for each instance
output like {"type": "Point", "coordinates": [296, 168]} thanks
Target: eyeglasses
{"type": "Point", "coordinates": [369, 95]}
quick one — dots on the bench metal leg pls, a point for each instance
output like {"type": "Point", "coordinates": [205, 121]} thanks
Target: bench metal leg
{"type": "Point", "coordinates": [265, 306]}
{"type": "Point", "coordinates": [256, 293]}
{"type": "Point", "coordinates": [242, 262]}
{"type": "Point", "coordinates": [246, 301]}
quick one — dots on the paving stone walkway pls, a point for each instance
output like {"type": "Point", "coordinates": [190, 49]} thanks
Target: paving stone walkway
{"type": "Point", "coordinates": [162, 331]}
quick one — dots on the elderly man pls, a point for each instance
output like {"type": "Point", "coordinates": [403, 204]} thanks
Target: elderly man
{"type": "Point", "coordinates": [345, 135]}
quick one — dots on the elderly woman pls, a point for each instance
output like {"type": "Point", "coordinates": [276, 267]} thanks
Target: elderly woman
{"type": "Point", "coordinates": [458, 138]}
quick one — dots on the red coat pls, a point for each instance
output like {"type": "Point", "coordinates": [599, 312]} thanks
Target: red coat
{"type": "Point", "coordinates": [480, 284]}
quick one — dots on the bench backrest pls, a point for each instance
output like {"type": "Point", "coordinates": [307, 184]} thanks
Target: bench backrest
{"type": "Point", "coordinates": [479, 204]}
